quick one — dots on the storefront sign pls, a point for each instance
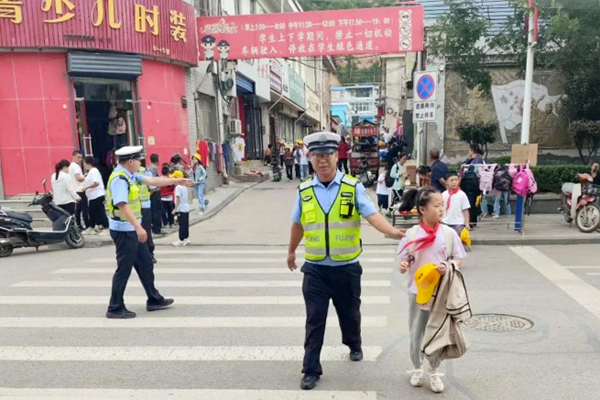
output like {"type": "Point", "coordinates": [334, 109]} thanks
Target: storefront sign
{"type": "Point", "coordinates": [313, 105]}
{"type": "Point", "coordinates": [159, 28]}
{"type": "Point", "coordinates": [276, 83]}
{"type": "Point", "coordinates": [319, 33]}
{"type": "Point", "coordinates": [296, 87]}
{"type": "Point", "coordinates": [275, 75]}
{"type": "Point", "coordinates": [257, 71]}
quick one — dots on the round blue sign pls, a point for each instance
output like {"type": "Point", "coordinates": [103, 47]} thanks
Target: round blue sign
{"type": "Point", "coordinates": [425, 87]}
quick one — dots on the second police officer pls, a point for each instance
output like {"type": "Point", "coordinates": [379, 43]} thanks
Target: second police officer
{"type": "Point", "coordinates": [125, 214]}
{"type": "Point", "coordinates": [327, 215]}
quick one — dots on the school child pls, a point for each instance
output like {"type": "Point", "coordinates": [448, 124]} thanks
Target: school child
{"type": "Point", "coordinates": [182, 209]}
{"type": "Point", "coordinates": [456, 205]}
{"type": "Point", "coordinates": [429, 243]}
{"type": "Point", "coordinates": [383, 193]}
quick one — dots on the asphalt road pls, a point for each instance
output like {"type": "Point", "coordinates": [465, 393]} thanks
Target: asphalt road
{"type": "Point", "coordinates": [236, 330]}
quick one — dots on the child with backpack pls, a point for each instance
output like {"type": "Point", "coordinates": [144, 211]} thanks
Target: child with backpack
{"type": "Point", "coordinates": [383, 193]}
{"type": "Point", "coordinates": [502, 185]}
{"type": "Point", "coordinates": [429, 242]}
{"type": "Point", "coordinates": [456, 205]}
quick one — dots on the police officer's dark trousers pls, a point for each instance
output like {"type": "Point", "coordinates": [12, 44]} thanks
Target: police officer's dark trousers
{"type": "Point", "coordinates": [342, 285]}
{"type": "Point", "coordinates": [147, 225]}
{"type": "Point", "coordinates": [156, 211]}
{"type": "Point", "coordinates": [131, 253]}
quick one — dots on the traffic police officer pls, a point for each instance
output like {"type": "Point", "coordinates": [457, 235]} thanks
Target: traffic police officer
{"type": "Point", "coordinates": [147, 211]}
{"type": "Point", "coordinates": [125, 214]}
{"type": "Point", "coordinates": [327, 215]}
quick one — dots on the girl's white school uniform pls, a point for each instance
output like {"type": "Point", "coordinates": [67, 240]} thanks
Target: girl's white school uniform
{"type": "Point", "coordinates": [417, 317]}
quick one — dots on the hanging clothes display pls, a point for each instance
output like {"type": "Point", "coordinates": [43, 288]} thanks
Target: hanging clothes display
{"type": "Point", "coordinates": [239, 149]}
{"type": "Point", "coordinates": [219, 157]}
{"type": "Point", "coordinates": [203, 150]}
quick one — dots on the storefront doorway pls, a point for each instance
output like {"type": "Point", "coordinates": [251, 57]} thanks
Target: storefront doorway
{"type": "Point", "coordinates": [106, 119]}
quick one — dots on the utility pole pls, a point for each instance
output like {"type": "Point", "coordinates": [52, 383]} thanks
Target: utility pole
{"type": "Point", "coordinates": [525, 126]}
{"type": "Point", "coordinates": [419, 146]}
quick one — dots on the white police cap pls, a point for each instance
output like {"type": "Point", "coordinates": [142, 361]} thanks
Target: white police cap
{"type": "Point", "coordinates": [322, 142]}
{"type": "Point", "coordinates": [130, 153]}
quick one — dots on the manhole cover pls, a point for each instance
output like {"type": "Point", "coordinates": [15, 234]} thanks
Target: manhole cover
{"type": "Point", "coordinates": [498, 323]}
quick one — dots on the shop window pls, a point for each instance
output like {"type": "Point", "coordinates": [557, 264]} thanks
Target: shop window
{"type": "Point", "coordinates": [206, 114]}
{"type": "Point", "coordinates": [106, 118]}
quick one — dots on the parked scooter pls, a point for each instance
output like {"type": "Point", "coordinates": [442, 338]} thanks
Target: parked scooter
{"type": "Point", "coordinates": [16, 230]}
{"type": "Point", "coordinates": [586, 212]}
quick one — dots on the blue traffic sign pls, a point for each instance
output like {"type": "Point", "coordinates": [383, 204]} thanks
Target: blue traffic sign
{"type": "Point", "coordinates": [425, 87]}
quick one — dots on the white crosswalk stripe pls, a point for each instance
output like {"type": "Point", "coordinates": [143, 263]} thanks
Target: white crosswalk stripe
{"type": "Point", "coordinates": [169, 322]}
{"type": "Point", "coordinates": [206, 271]}
{"type": "Point", "coordinates": [180, 394]}
{"type": "Point", "coordinates": [183, 300]}
{"type": "Point", "coordinates": [236, 309]}
{"type": "Point", "coordinates": [187, 284]}
{"type": "Point", "coordinates": [171, 353]}
{"type": "Point", "coordinates": [237, 260]}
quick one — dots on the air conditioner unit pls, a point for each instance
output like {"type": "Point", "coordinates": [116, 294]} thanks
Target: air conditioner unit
{"type": "Point", "coordinates": [235, 127]}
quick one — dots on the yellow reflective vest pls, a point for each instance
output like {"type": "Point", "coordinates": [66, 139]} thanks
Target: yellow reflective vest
{"type": "Point", "coordinates": [335, 234]}
{"type": "Point", "coordinates": [133, 200]}
{"type": "Point", "coordinates": [144, 191]}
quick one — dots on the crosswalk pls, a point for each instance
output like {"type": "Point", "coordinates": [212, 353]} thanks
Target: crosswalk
{"type": "Point", "coordinates": [236, 330]}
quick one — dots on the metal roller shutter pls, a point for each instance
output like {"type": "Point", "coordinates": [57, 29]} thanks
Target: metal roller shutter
{"type": "Point", "coordinates": [104, 65]}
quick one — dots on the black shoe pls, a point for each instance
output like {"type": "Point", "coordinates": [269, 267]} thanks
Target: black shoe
{"type": "Point", "coordinates": [154, 260]}
{"type": "Point", "coordinates": [309, 382]}
{"type": "Point", "coordinates": [155, 307]}
{"type": "Point", "coordinates": [356, 355]}
{"type": "Point", "coordinates": [125, 314]}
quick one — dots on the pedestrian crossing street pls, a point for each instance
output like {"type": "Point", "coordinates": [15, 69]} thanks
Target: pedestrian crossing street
{"type": "Point", "coordinates": [235, 332]}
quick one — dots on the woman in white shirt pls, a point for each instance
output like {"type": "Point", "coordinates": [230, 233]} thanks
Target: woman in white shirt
{"type": "Point", "coordinates": [63, 187]}
{"type": "Point", "coordinates": [94, 190]}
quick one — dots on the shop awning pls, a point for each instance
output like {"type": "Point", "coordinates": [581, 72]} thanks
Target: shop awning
{"type": "Point", "coordinates": [279, 99]}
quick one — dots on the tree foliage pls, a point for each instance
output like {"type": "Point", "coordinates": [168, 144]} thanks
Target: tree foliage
{"type": "Point", "coordinates": [586, 135]}
{"type": "Point", "coordinates": [457, 36]}
{"type": "Point", "coordinates": [322, 5]}
{"type": "Point", "coordinates": [568, 42]}
{"type": "Point", "coordinates": [350, 72]}
{"type": "Point", "coordinates": [479, 133]}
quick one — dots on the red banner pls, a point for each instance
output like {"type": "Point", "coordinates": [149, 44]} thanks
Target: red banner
{"type": "Point", "coordinates": [317, 33]}
{"type": "Point", "coordinates": [158, 28]}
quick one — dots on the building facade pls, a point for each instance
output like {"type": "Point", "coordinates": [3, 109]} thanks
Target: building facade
{"type": "Point", "coordinates": [363, 100]}
{"type": "Point", "coordinates": [93, 76]}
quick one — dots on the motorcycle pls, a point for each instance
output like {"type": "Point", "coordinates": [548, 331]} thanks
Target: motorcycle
{"type": "Point", "coordinates": [581, 203]}
{"type": "Point", "coordinates": [16, 230]}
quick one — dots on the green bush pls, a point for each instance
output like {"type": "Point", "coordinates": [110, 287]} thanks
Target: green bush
{"type": "Point", "coordinates": [500, 160]}
{"type": "Point", "coordinates": [551, 177]}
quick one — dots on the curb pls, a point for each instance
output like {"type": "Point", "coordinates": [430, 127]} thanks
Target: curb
{"type": "Point", "coordinates": [214, 211]}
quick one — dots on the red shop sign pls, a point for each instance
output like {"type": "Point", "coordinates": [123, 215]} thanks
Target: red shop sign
{"type": "Point", "coordinates": [159, 28]}
{"type": "Point", "coordinates": [317, 33]}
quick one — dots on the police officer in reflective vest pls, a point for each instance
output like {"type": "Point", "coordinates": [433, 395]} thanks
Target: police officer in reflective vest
{"type": "Point", "coordinates": [147, 211]}
{"type": "Point", "coordinates": [125, 214]}
{"type": "Point", "coordinates": [327, 215]}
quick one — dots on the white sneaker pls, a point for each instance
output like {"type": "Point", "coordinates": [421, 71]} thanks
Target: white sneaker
{"type": "Point", "coordinates": [103, 232]}
{"type": "Point", "coordinates": [179, 243]}
{"type": "Point", "coordinates": [416, 378]}
{"type": "Point", "coordinates": [89, 231]}
{"type": "Point", "coordinates": [435, 381]}
{"type": "Point", "coordinates": [186, 242]}
{"type": "Point", "coordinates": [200, 212]}
{"type": "Point", "coordinates": [496, 216]}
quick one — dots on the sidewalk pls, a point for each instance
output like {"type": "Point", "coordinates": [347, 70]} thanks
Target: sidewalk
{"type": "Point", "coordinates": [218, 199]}
{"type": "Point", "coordinates": [538, 229]}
